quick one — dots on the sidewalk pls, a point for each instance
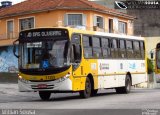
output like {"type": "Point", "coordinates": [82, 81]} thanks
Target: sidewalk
{"type": "Point", "coordinates": [8, 77]}
{"type": "Point", "coordinates": [7, 88]}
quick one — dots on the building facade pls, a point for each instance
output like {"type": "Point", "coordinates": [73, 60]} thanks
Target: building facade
{"type": "Point", "coordinates": [81, 14]}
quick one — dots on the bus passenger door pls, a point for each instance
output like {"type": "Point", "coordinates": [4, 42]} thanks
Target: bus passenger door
{"type": "Point", "coordinates": [76, 59]}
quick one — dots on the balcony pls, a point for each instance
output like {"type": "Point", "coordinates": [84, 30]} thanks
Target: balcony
{"type": "Point", "coordinates": [7, 39]}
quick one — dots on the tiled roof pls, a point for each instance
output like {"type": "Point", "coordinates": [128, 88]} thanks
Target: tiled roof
{"type": "Point", "coordinates": [34, 6]}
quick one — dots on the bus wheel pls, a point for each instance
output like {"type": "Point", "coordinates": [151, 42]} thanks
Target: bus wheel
{"type": "Point", "coordinates": [127, 88]}
{"type": "Point", "coordinates": [44, 95]}
{"type": "Point", "coordinates": [87, 92]}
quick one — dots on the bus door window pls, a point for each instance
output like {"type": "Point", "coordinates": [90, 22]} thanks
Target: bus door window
{"type": "Point", "coordinates": [122, 49]}
{"type": "Point", "coordinates": [129, 47]}
{"type": "Point", "coordinates": [137, 52]}
{"type": "Point", "coordinates": [76, 48]}
{"type": "Point", "coordinates": [114, 48]}
{"type": "Point", "coordinates": [105, 48]}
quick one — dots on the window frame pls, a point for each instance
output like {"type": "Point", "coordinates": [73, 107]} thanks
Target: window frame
{"type": "Point", "coordinates": [122, 27]}
{"type": "Point", "coordinates": [19, 25]}
{"type": "Point", "coordinates": [10, 20]}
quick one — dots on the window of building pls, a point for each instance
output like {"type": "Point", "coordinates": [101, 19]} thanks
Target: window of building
{"type": "Point", "coordinates": [10, 29]}
{"type": "Point", "coordinates": [110, 25]}
{"type": "Point", "coordinates": [122, 27]}
{"type": "Point", "coordinates": [26, 23]}
{"type": "Point", "coordinates": [99, 21]}
{"type": "Point", "coordinates": [74, 19]}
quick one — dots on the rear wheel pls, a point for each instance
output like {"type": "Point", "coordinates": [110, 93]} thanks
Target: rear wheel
{"type": "Point", "coordinates": [87, 92]}
{"type": "Point", "coordinates": [126, 88]}
{"type": "Point", "coordinates": [44, 95]}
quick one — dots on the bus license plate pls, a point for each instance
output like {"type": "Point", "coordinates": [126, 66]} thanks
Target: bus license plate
{"type": "Point", "coordinates": [42, 86]}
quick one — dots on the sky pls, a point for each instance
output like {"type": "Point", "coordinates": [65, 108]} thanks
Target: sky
{"type": "Point", "coordinates": [13, 1]}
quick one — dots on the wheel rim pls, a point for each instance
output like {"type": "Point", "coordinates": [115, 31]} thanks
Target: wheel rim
{"type": "Point", "coordinates": [128, 85]}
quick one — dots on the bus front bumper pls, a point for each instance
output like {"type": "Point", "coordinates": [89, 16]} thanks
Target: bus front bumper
{"type": "Point", "coordinates": [57, 85]}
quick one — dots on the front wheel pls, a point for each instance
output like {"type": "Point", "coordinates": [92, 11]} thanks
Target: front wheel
{"type": "Point", "coordinates": [44, 95]}
{"type": "Point", "coordinates": [87, 91]}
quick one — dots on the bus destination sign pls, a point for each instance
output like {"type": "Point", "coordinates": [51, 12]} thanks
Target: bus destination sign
{"type": "Point", "coordinates": [42, 33]}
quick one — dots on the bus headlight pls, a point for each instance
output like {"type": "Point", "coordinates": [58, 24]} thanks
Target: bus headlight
{"type": "Point", "coordinates": [22, 80]}
{"type": "Point", "coordinates": [64, 78]}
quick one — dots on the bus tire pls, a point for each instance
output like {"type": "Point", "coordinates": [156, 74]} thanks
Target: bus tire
{"type": "Point", "coordinates": [127, 88]}
{"type": "Point", "coordinates": [44, 95]}
{"type": "Point", "coordinates": [86, 93]}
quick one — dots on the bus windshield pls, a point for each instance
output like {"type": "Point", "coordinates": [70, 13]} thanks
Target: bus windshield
{"type": "Point", "coordinates": [44, 54]}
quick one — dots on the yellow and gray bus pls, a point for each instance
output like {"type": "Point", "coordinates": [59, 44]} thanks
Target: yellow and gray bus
{"type": "Point", "coordinates": [55, 60]}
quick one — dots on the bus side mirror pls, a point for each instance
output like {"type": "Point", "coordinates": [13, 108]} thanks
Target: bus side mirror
{"type": "Point", "coordinates": [152, 55]}
{"type": "Point", "coordinates": [14, 48]}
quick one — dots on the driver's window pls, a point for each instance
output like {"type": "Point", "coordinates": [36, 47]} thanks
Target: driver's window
{"type": "Point", "coordinates": [76, 48]}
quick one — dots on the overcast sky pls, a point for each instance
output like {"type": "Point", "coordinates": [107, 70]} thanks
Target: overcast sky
{"type": "Point", "coordinates": [13, 1]}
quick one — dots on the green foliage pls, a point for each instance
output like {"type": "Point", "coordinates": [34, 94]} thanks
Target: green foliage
{"type": "Point", "coordinates": [150, 66]}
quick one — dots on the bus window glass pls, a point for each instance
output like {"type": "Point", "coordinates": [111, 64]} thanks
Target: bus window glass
{"type": "Point", "coordinates": [76, 47]}
{"type": "Point", "coordinates": [96, 42]}
{"type": "Point", "coordinates": [105, 42]}
{"type": "Point", "coordinates": [136, 45]}
{"type": "Point", "coordinates": [129, 48]}
{"type": "Point", "coordinates": [137, 51]}
{"type": "Point", "coordinates": [122, 44]}
{"type": "Point", "coordinates": [87, 46]}
{"type": "Point", "coordinates": [97, 52]}
{"type": "Point", "coordinates": [142, 47]}
{"type": "Point", "coordinates": [122, 49]}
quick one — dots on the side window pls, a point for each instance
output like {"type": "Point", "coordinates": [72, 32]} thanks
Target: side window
{"type": "Point", "coordinates": [122, 49]}
{"type": "Point", "coordinates": [122, 44]}
{"type": "Point", "coordinates": [142, 49]}
{"type": "Point", "coordinates": [76, 48]}
{"type": "Point", "coordinates": [129, 48]}
{"type": "Point", "coordinates": [87, 45]}
{"type": "Point", "coordinates": [97, 53]}
{"type": "Point", "coordinates": [114, 48]}
{"type": "Point", "coordinates": [105, 48]}
{"type": "Point", "coordinates": [137, 52]}
{"type": "Point", "coordinates": [129, 45]}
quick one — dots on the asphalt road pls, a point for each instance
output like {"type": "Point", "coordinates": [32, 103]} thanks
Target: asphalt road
{"type": "Point", "coordinates": [107, 101]}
